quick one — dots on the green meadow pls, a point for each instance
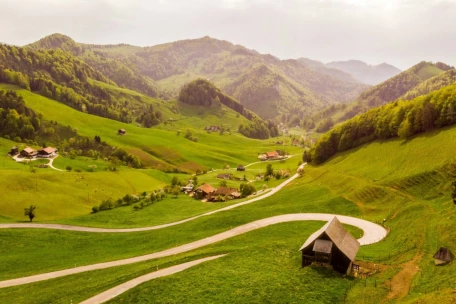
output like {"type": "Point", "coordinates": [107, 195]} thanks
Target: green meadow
{"type": "Point", "coordinates": [162, 147]}
{"type": "Point", "coordinates": [408, 183]}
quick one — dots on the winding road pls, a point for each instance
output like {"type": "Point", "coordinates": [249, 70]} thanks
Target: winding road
{"type": "Point", "coordinates": [116, 230]}
{"type": "Point", "coordinates": [372, 233]}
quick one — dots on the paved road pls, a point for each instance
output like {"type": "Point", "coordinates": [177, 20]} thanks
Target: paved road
{"type": "Point", "coordinates": [115, 291]}
{"type": "Point", "coordinates": [117, 230]}
{"type": "Point", "coordinates": [51, 161]}
{"type": "Point", "coordinates": [372, 234]}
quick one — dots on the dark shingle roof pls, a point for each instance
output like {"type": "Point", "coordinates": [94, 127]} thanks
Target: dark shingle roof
{"type": "Point", "coordinates": [341, 238]}
{"type": "Point", "coordinates": [322, 246]}
{"type": "Point", "coordinates": [444, 254]}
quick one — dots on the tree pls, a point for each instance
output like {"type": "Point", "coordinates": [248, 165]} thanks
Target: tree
{"type": "Point", "coordinates": [188, 134]}
{"type": "Point", "coordinates": [269, 170]}
{"type": "Point", "coordinates": [176, 191]}
{"type": "Point", "coordinates": [405, 129]}
{"type": "Point", "coordinates": [69, 168]}
{"type": "Point", "coordinates": [223, 183]}
{"type": "Point", "coordinates": [30, 212]}
{"type": "Point", "coordinates": [174, 181]}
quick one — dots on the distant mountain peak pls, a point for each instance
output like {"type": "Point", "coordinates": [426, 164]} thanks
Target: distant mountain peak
{"type": "Point", "coordinates": [369, 74]}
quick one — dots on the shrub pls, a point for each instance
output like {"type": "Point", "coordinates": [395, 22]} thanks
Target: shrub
{"type": "Point", "coordinates": [68, 168]}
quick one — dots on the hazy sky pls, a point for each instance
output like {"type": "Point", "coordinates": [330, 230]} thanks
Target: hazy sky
{"type": "Point", "coordinates": [400, 32]}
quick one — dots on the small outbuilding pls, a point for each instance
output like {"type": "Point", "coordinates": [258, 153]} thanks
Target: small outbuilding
{"type": "Point", "coordinates": [443, 256]}
{"type": "Point", "coordinates": [225, 176]}
{"type": "Point", "coordinates": [121, 132]}
{"type": "Point", "coordinates": [14, 151]}
{"type": "Point", "coordinates": [331, 245]}
{"type": "Point", "coordinates": [240, 168]}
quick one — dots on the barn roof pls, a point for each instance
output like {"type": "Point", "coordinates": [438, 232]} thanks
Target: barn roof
{"type": "Point", "coordinates": [206, 188]}
{"type": "Point", "coordinates": [225, 191]}
{"type": "Point", "coordinates": [49, 150]}
{"type": "Point", "coordinates": [272, 153]}
{"type": "Point", "coordinates": [339, 236]}
{"type": "Point", "coordinates": [444, 254]}
{"type": "Point", "coordinates": [322, 246]}
{"type": "Point", "coordinates": [29, 150]}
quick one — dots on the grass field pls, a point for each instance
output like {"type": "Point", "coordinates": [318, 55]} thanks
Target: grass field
{"type": "Point", "coordinates": [408, 183]}
{"type": "Point", "coordinates": [159, 147]}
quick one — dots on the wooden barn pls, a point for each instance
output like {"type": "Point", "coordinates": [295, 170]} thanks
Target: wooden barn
{"type": "Point", "coordinates": [121, 132]}
{"type": "Point", "coordinates": [443, 256]}
{"type": "Point", "coordinates": [331, 245]}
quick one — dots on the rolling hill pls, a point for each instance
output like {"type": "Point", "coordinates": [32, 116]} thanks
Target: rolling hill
{"type": "Point", "coordinates": [172, 65]}
{"type": "Point", "coordinates": [419, 79]}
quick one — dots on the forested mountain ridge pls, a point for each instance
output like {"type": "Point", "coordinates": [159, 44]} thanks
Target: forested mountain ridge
{"type": "Point", "coordinates": [63, 77]}
{"type": "Point", "coordinates": [124, 75]}
{"type": "Point", "coordinates": [172, 65]}
{"type": "Point", "coordinates": [402, 118]}
{"type": "Point", "coordinates": [388, 91]}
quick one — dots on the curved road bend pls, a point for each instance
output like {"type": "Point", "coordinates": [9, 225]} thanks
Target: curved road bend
{"type": "Point", "coordinates": [372, 234]}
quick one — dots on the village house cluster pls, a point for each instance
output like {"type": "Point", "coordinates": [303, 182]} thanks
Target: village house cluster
{"type": "Point", "coordinates": [272, 155]}
{"type": "Point", "coordinates": [31, 153]}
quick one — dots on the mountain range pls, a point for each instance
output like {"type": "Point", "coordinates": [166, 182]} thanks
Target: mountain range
{"type": "Point", "coordinates": [262, 83]}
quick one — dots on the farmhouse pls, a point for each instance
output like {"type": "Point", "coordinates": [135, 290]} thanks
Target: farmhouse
{"type": "Point", "coordinates": [224, 192]}
{"type": "Point", "coordinates": [47, 152]}
{"type": "Point", "coordinates": [225, 175]}
{"type": "Point", "coordinates": [28, 152]}
{"type": "Point", "coordinates": [443, 256]}
{"type": "Point", "coordinates": [331, 245]}
{"type": "Point", "coordinates": [269, 155]}
{"type": "Point", "coordinates": [121, 132]}
{"type": "Point", "coordinates": [204, 190]}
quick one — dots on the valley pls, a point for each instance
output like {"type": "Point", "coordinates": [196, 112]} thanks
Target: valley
{"type": "Point", "coordinates": [193, 172]}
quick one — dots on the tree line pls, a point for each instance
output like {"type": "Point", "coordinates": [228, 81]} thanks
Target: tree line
{"type": "Point", "coordinates": [397, 119]}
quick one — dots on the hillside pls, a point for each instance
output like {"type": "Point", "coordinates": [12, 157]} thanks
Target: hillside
{"type": "Point", "coordinates": [164, 147]}
{"type": "Point", "coordinates": [65, 78]}
{"type": "Point", "coordinates": [172, 65]}
{"type": "Point", "coordinates": [411, 188]}
{"type": "Point", "coordinates": [390, 90]}
{"type": "Point", "coordinates": [368, 74]}
{"type": "Point", "coordinates": [125, 76]}
{"type": "Point", "coordinates": [398, 119]}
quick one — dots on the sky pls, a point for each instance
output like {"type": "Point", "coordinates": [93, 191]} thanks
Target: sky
{"type": "Point", "coordinates": [398, 32]}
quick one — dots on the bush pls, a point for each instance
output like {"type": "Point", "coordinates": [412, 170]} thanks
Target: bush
{"type": "Point", "coordinates": [68, 168]}
{"type": "Point", "coordinates": [95, 209]}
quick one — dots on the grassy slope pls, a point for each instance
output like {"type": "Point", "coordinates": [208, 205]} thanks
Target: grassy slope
{"type": "Point", "coordinates": [368, 183]}
{"type": "Point", "coordinates": [159, 147]}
